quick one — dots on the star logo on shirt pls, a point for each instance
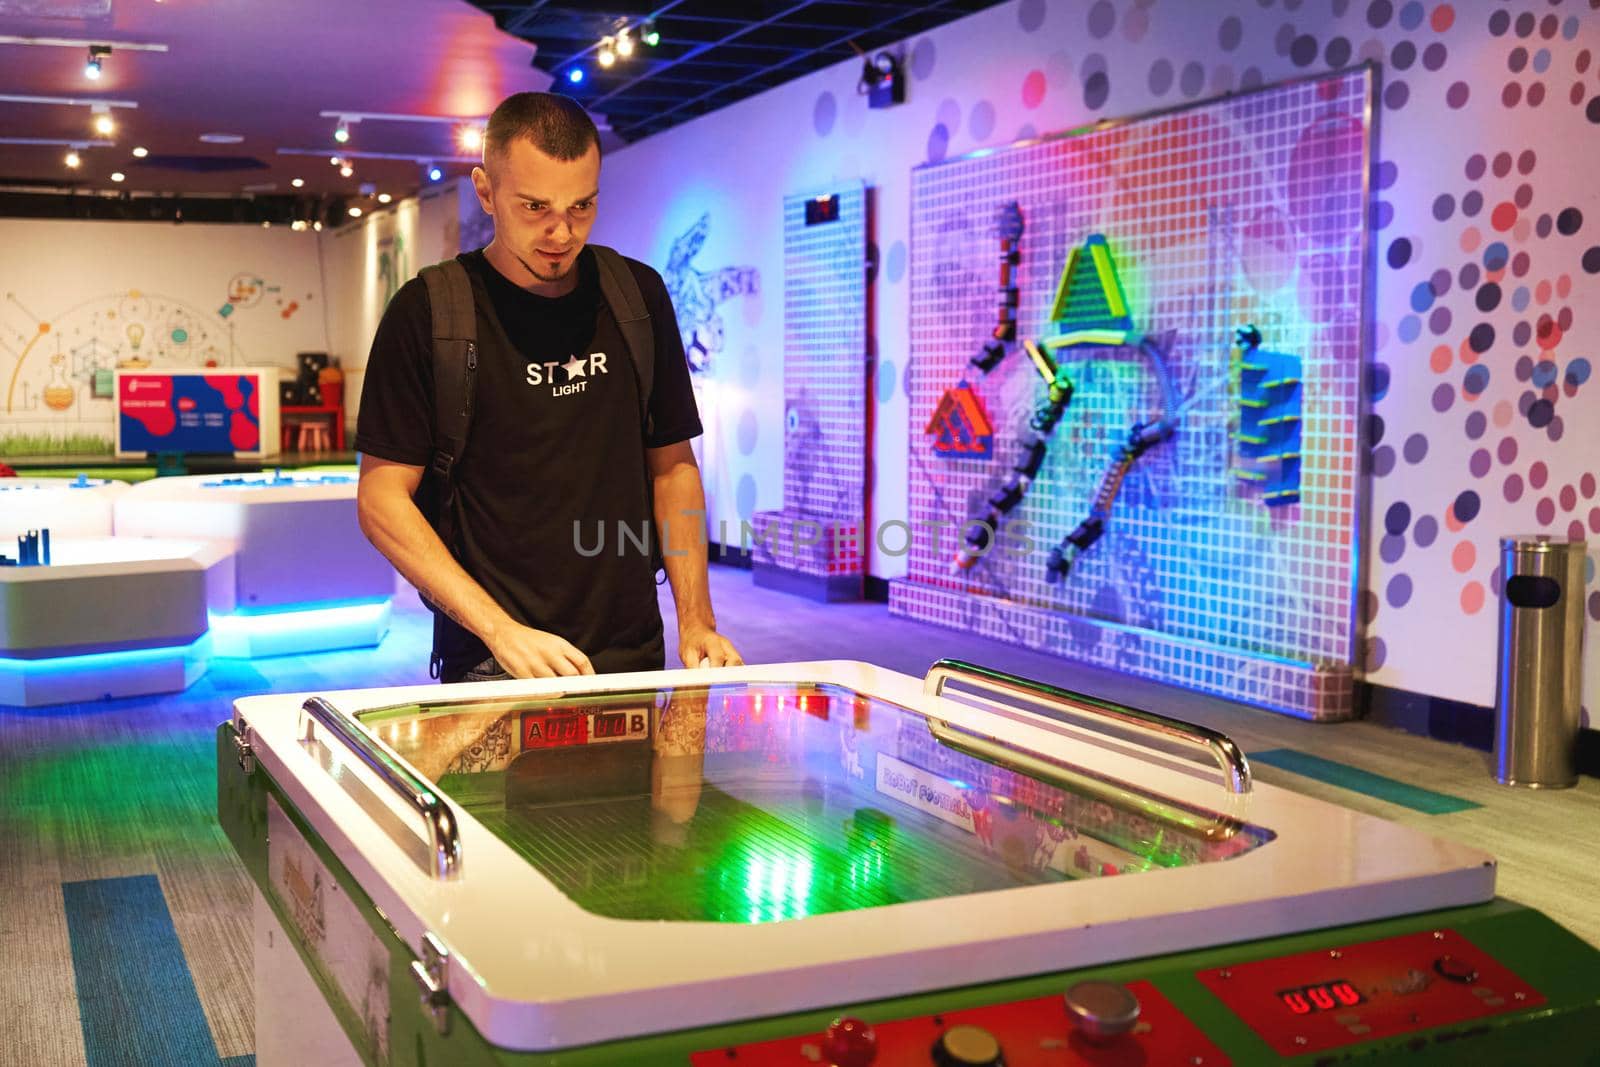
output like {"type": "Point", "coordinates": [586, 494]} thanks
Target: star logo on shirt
{"type": "Point", "coordinates": [575, 368]}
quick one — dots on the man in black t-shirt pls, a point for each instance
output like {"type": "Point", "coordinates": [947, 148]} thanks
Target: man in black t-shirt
{"type": "Point", "coordinates": [555, 484]}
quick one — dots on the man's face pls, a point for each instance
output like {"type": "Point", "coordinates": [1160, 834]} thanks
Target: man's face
{"type": "Point", "coordinates": [542, 207]}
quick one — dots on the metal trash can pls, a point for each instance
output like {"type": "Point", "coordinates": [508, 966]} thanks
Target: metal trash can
{"type": "Point", "coordinates": [1538, 689]}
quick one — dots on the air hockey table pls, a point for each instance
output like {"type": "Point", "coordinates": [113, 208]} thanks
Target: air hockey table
{"type": "Point", "coordinates": [67, 507]}
{"type": "Point", "coordinates": [832, 863]}
{"type": "Point", "coordinates": [308, 578]}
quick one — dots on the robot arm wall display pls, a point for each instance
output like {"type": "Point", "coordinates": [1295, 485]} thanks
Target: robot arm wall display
{"type": "Point", "coordinates": [1089, 311]}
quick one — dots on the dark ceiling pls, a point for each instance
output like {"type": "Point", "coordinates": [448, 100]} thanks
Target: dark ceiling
{"type": "Point", "coordinates": [711, 53]}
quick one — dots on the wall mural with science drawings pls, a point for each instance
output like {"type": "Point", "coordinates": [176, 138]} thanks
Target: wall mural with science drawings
{"type": "Point", "coordinates": [58, 385]}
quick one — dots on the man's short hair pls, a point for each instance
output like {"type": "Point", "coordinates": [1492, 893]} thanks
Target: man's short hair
{"type": "Point", "coordinates": [557, 125]}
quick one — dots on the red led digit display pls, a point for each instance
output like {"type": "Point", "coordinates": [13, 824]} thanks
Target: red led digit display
{"type": "Point", "coordinates": [554, 731]}
{"type": "Point", "coordinates": [561, 728]}
{"type": "Point", "coordinates": [614, 724]}
{"type": "Point", "coordinates": [1324, 996]}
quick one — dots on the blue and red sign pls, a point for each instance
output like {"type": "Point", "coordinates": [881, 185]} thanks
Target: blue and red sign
{"type": "Point", "coordinates": [214, 412]}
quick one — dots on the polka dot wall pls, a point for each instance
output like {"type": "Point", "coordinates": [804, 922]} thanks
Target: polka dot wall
{"type": "Point", "coordinates": [1485, 233]}
{"type": "Point", "coordinates": [1483, 421]}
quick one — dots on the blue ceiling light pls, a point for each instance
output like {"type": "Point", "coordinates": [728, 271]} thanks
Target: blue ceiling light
{"type": "Point", "coordinates": [575, 75]}
{"type": "Point", "coordinates": [97, 56]}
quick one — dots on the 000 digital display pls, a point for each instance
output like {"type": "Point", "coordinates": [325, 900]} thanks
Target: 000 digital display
{"type": "Point", "coordinates": [1324, 996]}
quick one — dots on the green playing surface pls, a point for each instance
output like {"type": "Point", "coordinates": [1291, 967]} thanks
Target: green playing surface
{"type": "Point", "coordinates": [786, 804]}
{"type": "Point", "coordinates": [785, 858]}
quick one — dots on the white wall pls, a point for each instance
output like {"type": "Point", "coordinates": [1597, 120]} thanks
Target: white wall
{"type": "Point", "coordinates": [365, 262]}
{"type": "Point", "coordinates": [79, 295]}
{"type": "Point", "coordinates": [1454, 118]}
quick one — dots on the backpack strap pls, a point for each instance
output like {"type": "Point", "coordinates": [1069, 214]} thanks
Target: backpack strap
{"type": "Point", "coordinates": [620, 289]}
{"type": "Point", "coordinates": [621, 292]}
{"type": "Point", "coordinates": [455, 363]}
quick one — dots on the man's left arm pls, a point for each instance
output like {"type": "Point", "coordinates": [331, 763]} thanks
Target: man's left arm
{"type": "Point", "coordinates": [680, 504]}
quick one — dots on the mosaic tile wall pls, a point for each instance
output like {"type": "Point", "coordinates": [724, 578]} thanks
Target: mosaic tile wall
{"type": "Point", "coordinates": [1482, 213]}
{"type": "Point", "coordinates": [824, 372]}
{"type": "Point", "coordinates": [1247, 210]}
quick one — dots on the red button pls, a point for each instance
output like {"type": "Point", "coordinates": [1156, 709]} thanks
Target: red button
{"type": "Point", "coordinates": [850, 1043]}
{"type": "Point", "coordinates": [1455, 969]}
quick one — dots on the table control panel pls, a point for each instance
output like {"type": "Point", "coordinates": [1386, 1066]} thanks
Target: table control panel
{"type": "Point", "coordinates": [1096, 1024]}
{"type": "Point", "coordinates": [1330, 998]}
{"type": "Point", "coordinates": [1299, 1004]}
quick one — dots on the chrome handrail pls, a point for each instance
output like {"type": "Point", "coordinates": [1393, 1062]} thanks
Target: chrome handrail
{"type": "Point", "coordinates": [1228, 756]}
{"type": "Point", "coordinates": [1208, 824]}
{"type": "Point", "coordinates": [443, 835]}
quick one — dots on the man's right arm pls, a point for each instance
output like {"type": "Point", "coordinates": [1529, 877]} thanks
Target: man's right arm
{"type": "Point", "coordinates": [391, 521]}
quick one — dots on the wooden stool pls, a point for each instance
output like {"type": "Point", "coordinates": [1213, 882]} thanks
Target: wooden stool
{"type": "Point", "coordinates": [313, 436]}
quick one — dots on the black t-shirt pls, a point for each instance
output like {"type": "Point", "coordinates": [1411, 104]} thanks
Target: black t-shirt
{"type": "Point", "coordinates": [555, 440]}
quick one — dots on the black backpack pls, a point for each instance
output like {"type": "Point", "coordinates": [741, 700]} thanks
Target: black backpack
{"type": "Point", "coordinates": [455, 364]}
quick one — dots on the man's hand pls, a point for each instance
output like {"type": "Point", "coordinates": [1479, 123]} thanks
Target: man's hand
{"type": "Point", "coordinates": [524, 652]}
{"type": "Point", "coordinates": [702, 646]}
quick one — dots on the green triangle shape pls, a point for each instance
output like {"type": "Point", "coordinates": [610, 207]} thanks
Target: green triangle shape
{"type": "Point", "coordinates": [1089, 295]}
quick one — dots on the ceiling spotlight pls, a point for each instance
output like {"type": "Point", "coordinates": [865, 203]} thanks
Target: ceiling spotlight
{"type": "Point", "coordinates": [624, 44]}
{"type": "Point", "coordinates": [97, 57]}
{"type": "Point", "coordinates": [298, 182]}
{"type": "Point", "coordinates": [435, 172]}
{"type": "Point", "coordinates": [341, 132]}
{"type": "Point", "coordinates": [140, 152]}
{"type": "Point", "coordinates": [104, 124]}
{"type": "Point", "coordinates": [266, 224]}
{"type": "Point", "coordinates": [73, 160]}
{"type": "Point", "coordinates": [470, 138]}
{"type": "Point", "coordinates": [345, 170]}
{"type": "Point", "coordinates": [335, 160]}
{"type": "Point", "coordinates": [575, 75]}
{"type": "Point", "coordinates": [649, 34]}
{"type": "Point", "coordinates": [608, 52]}
{"type": "Point", "coordinates": [355, 213]}
{"type": "Point", "coordinates": [317, 225]}
{"type": "Point", "coordinates": [118, 176]}
{"type": "Point", "coordinates": [297, 225]}
{"type": "Point", "coordinates": [384, 198]}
